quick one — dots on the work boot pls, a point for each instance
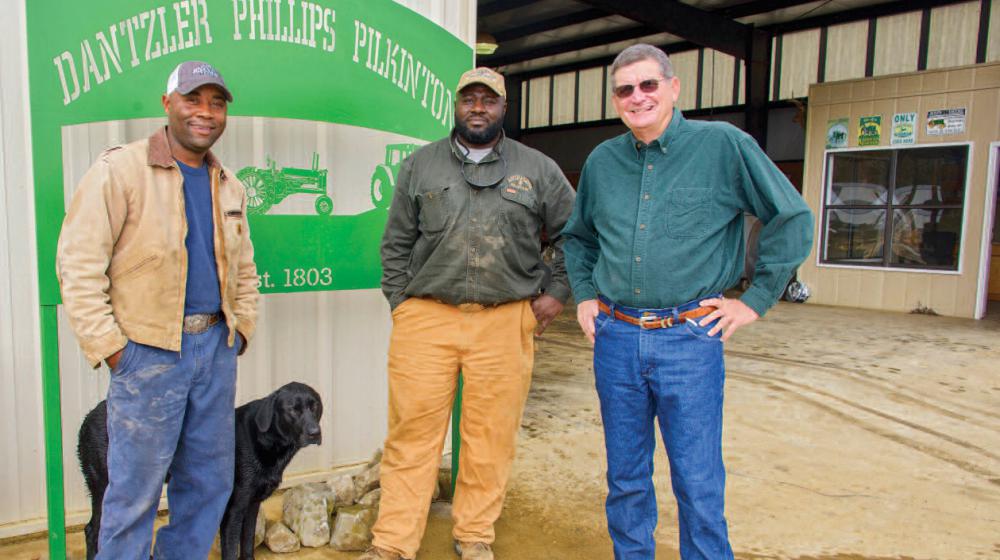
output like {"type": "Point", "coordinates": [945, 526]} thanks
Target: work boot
{"type": "Point", "coordinates": [376, 553]}
{"type": "Point", "coordinates": [474, 550]}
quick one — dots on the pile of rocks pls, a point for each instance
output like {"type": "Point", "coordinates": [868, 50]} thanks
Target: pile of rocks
{"type": "Point", "coordinates": [339, 512]}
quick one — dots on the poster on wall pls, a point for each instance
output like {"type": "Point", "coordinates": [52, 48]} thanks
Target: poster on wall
{"type": "Point", "coordinates": [904, 128]}
{"type": "Point", "coordinates": [836, 133]}
{"type": "Point", "coordinates": [329, 97]}
{"type": "Point", "coordinates": [946, 121]}
{"type": "Point", "coordinates": [870, 130]}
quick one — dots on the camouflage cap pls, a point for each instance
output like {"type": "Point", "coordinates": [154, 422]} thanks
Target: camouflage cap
{"type": "Point", "coordinates": [191, 75]}
{"type": "Point", "coordinates": [485, 76]}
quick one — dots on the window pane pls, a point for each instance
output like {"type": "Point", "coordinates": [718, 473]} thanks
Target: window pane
{"type": "Point", "coordinates": [926, 238]}
{"type": "Point", "coordinates": [589, 96]}
{"type": "Point", "coordinates": [930, 176]}
{"type": "Point", "coordinates": [860, 178]}
{"type": "Point", "coordinates": [799, 56]}
{"type": "Point", "coordinates": [538, 102]}
{"type": "Point", "coordinates": [855, 236]}
{"type": "Point", "coordinates": [563, 98]}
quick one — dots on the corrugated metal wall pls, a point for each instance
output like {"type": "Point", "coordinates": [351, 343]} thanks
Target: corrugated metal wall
{"type": "Point", "coordinates": [22, 467]}
{"type": "Point", "coordinates": [976, 88]}
{"type": "Point", "coordinates": [334, 341]}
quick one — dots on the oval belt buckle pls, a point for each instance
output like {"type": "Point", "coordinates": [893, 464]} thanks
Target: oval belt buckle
{"type": "Point", "coordinates": [654, 322]}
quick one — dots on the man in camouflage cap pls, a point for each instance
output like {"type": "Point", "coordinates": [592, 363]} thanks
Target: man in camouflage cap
{"type": "Point", "coordinates": [463, 274]}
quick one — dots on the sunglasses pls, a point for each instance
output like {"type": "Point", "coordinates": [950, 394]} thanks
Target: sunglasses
{"type": "Point", "coordinates": [645, 86]}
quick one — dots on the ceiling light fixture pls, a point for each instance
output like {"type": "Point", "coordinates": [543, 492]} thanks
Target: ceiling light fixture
{"type": "Point", "coordinates": [486, 44]}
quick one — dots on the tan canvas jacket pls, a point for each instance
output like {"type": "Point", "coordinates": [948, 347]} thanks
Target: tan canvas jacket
{"type": "Point", "coordinates": [121, 259]}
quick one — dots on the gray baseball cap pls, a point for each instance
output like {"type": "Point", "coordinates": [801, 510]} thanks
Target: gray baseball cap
{"type": "Point", "coordinates": [191, 75]}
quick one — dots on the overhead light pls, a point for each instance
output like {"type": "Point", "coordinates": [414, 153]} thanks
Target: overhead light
{"type": "Point", "coordinates": [486, 44]}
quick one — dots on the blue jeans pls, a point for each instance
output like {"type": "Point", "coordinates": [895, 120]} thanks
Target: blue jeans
{"type": "Point", "coordinates": [170, 412]}
{"type": "Point", "coordinates": [674, 375]}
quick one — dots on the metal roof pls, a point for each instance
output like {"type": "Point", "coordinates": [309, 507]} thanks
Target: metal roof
{"type": "Point", "coordinates": [534, 35]}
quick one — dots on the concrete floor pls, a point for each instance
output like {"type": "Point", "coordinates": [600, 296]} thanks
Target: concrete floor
{"type": "Point", "coordinates": [849, 434]}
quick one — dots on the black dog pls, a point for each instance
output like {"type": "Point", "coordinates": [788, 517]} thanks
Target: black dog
{"type": "Point", "coordinates": [269, 432]}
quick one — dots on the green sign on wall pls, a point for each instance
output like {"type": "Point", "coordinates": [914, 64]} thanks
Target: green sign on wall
{"type": "Point", "coordinates": [373, 78]}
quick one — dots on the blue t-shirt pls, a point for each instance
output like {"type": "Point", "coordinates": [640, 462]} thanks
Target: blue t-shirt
{"type": "Point", "coordinates": [202, 277]}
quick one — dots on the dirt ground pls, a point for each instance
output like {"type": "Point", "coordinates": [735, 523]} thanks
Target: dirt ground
{"type": "Point", "coordinates": [849, 434]}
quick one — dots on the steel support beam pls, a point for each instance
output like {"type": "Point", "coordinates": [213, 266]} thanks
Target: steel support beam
{"type": "Point", "coordinates": [569, 46]}
{"type": "Point", "coordinates": [704, 28]}
{"type": "Point", "coordinates": [549, 24]}
{"type": "Point", "coordinates": [758, 73]}
{"type": "Point", "coordinates": [498, 6]}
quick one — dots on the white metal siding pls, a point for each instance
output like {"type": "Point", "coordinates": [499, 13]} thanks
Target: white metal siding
{"type": "Point", "coordinates": [845, 51]}
{"type": "Point", "coordinates": [952, 38]}
{"type": "Point", "coordinates": [563, 97]}
{"type": "Point", "coordinates": [335, 341]}
{"type": "Point", "coordinates": [897, 40]}
{"type": "Point", "coordinates": [799, 63]}
{"type": "Point", "coordinates": [22, 472]}
{"type": "Point", "coordinates": [538, 101]}
{"type": "Point", "coordinates": [717, 79]}
{"type": "Point", "coordinates": [590, 94]}
{"type": "Point", "coordinates": [686, 69]}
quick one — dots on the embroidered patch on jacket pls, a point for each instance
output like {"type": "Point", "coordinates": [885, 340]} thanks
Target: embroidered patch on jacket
{"type": "Point", "coordinates": [520, 182]}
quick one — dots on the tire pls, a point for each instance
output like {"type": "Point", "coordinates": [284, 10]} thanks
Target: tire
{"type": "Point", "coordinates": [258, 201]}
{"type": "Point", "coordinates": [382, 187]}
{"type": "Point", "coordinates": [324, 205]}
{"type": "Point", "coordinates": [797, 292]}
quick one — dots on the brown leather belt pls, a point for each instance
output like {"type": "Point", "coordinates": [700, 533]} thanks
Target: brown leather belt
{"type": "Point", "coordinates": [652, 321]}
{"type": "Point", "coordinates": [200, 322]}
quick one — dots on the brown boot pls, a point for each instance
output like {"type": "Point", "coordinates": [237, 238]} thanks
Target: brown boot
{"type": "Point", "coordinates": [474, 550]}
{"type": "Point", "coordinates": [376, 553]}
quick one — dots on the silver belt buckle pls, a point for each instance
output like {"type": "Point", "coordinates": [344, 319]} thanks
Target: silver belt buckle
{"type": "Point", "coordinates": [199, 323]}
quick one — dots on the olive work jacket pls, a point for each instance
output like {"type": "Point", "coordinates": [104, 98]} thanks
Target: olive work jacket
{"type": "Point", "coordinates": [121, 259]}
{"type": "Point", "coordinates": [451, 241]}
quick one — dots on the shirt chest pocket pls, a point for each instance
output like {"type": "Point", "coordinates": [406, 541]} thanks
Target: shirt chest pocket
{"type": "Point", "coordinates": [434, 210]}
{"type": "Point", "coordinates": [518, 209]}
{"type": "Point", "coordinates": [687, 212]}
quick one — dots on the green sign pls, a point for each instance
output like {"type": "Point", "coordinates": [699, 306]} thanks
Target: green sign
{"type": "Point", "coordinates": [870, 131]}
{"type": "Point", "coordinates": [836, 133]}
{"type": "Point", "coordinates": [371, 74]}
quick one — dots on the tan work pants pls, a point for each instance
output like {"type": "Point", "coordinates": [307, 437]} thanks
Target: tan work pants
{"type": "Point", "coordinates": [431, 341]}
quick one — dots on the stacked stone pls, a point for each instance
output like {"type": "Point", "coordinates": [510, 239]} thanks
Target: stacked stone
{"type": "Point", "coordinates": [339, 512]}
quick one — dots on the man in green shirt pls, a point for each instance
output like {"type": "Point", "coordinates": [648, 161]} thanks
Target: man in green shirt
{"type": "Point", "coordinates": [462, 271]}
{"type": "Point", "coordinates": [656, 235]}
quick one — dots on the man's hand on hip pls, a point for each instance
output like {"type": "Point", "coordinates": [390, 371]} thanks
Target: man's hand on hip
{"type": "Point", "coordinates": [545, 308]}
{"type": "Point", "coordinates": [586, 313]}
{"type": "Point", "coordinates": [731, 313]}
{"type": "Point", "coordinates": [112, 360]}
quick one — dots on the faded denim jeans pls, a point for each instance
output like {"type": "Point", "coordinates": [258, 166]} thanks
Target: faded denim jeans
{"type": "Point", "coordinates": [673, 375]}
{"type": "Point", "coordinates": [170, 412]}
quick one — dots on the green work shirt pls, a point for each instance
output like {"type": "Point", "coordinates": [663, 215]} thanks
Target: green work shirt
{"type": "Point", "coordinates": [660, 224]}
{"type": "Point", "coordinates": [450, 241]}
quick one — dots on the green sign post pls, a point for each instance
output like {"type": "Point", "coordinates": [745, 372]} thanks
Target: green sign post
{"type": "Point", "coordinates": [371, 65]}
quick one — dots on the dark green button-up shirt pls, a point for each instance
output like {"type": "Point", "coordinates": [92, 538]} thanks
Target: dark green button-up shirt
{"type": "Point", "coordinates": [661, 224]}
{"type": "Point", "coordinates": [458, 244]}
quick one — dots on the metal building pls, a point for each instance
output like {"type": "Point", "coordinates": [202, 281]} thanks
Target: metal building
{"type": "Point", "coordinates": [335, 341]}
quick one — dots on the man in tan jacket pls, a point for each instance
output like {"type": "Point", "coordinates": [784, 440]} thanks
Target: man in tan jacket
{"type": "Point", "coordinates": [158, 281]}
